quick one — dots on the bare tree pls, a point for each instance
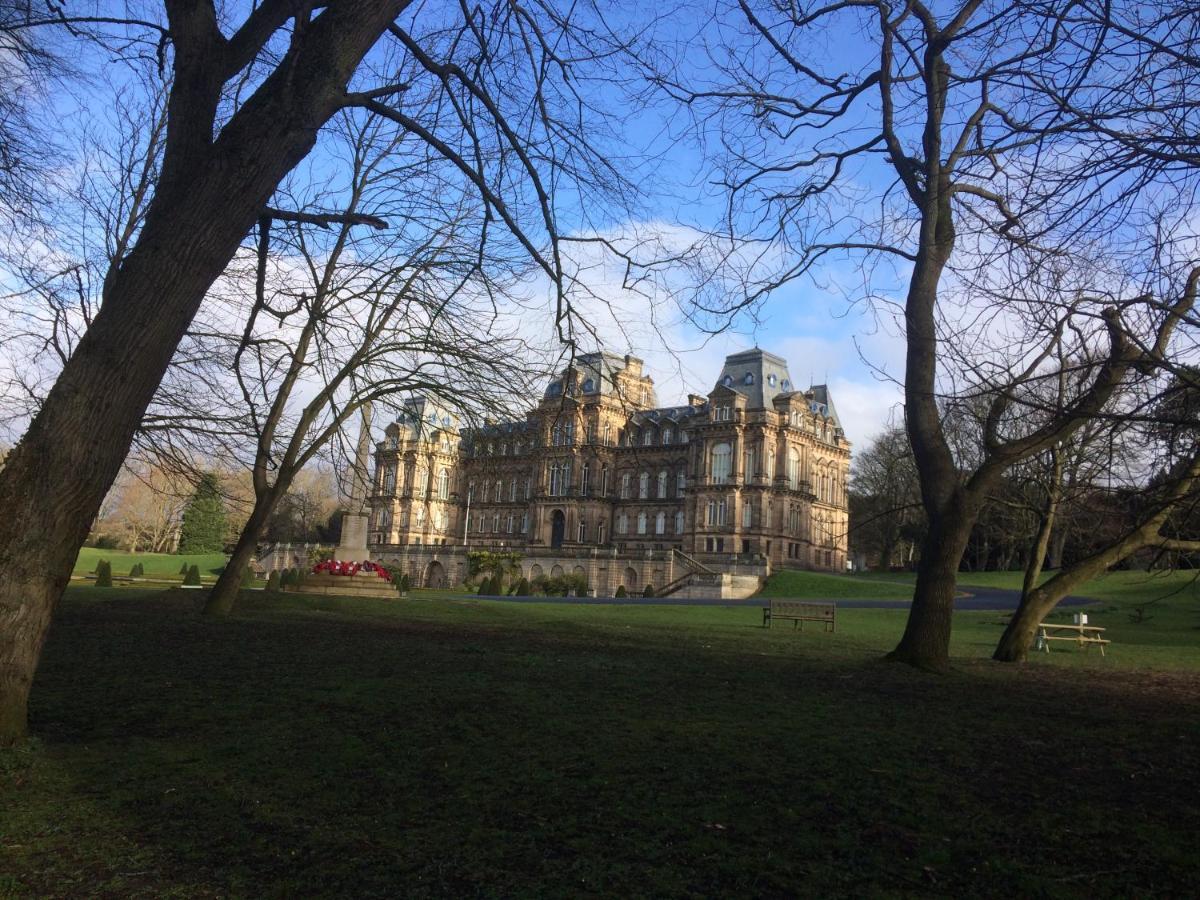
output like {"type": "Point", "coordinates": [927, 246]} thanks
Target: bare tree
{"type": "Point", "coordinates": [246, 103]}
{"type": "Point", "coordinates": [942, 147]}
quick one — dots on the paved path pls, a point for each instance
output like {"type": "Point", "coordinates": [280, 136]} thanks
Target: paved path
{"type": "Point", "coordinates": [970, 598]}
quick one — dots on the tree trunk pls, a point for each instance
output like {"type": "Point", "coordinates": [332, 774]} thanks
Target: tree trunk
{"type": "Point", "coordinates": [223, 596]}
{"type": "Point", "coordinates": [926, 640]}
{"type": "Point", "coordinates": [1058, 542]}
{"type": "Point", "coordinates": [209, 195]}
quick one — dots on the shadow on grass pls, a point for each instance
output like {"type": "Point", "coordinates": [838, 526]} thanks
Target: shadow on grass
{"type": "Point", "coordinates": [318, 746]}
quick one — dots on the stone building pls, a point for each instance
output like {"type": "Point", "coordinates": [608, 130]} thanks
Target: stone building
{"type": "Point", "coordinates": [602, 481]}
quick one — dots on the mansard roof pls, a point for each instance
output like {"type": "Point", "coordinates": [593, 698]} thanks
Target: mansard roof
{"type": "Point", "coordinates": [822, 402]}
{"type": "Point", "coordinates": [665, 415]}
{"type": "Point", "coordinates": [597, 374]}
{"type": "Point", "coordinates": [756, 374]}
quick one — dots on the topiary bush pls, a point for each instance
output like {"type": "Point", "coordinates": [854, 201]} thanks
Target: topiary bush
{"type": "Point", "coordinates": [136, 571]}
{"type": "Point", "coordinates": [104, 573]}
{"type": "Point", "coordinates": [648, 591]}
{"type": "Point", "coordinates": [405, 582]}
{"type": "Point", "coordinates": [522, 588]}
{"type": "Point", "coordinates": [285, 579]}
{"type": "Point", "coordinates": [192, 578]}
{"type": "Point", "coordinates": [485, 588]}
{"type": "Point", "coordinates": [183, 570]}
{"type": "Point", "coordinates": [621, 592]}
{"type": "Point", "coordinates": [273, 580]}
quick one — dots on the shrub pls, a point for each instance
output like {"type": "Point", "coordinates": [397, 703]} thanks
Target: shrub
{"type": "Point", "coordinates": [522, 588]}
{"type": "Point", "coordinates": [192, 578]}
{"type": "Point", "coordinates": [648, 591]}
{"type": "Point", "coordinates": [486, 588]}
{"type": "Point", "coordinates": [285, 579]}
{"type": "Point", "coordinates": [135, 571]}
{"type": "Point", "coordinates": [104, 573]}
{"type": "Point", "coordinates": [405, 582]}
{"type": "Point", "coordinates": [621, 592]}
{"type": "Point", "coordinates": [183, 570]}
{"type": "Point", "coordinates": [273, 580]}
{"type": "Point", "coordinates": [105, 542]}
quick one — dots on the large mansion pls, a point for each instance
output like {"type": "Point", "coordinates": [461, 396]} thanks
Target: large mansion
{"type": "Point", "coordinates": [756, 470]}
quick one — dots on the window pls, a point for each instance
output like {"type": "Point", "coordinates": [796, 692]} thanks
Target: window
{"type": "Point", "coordinates": [771, 380]}
{"type": "Point", "coordinates": [679, 522]}
{"type": "Point", "coordinates": [716, 512]}
{"type": "Point", "coordinates": [643, 485]}
{"type": "Point", "coordinates": [582, 531]}
{"type": "Point", "coordinates": [607, 432]}
{"type": "Point", "coordinates": [747, 515]}
{"type": "Point", "coordinates": [721, 460]}
{"type": "Point", "coordinates": [389, 480]}
{"type": "Point", "coordinates": [680, 482]}
{"type": "Point", "coordinates": [496, 523]}
{"type": "Point", "coordinates": [443, 485]}
{"type": "Point", "coordinates": [421, 481]}
{"type": "Point", "coordinates": [528, 487]}
{"type": "Point", "coordinates": [583, 479]}
{"type": "Point", "coordinates": [524, 522]}
{"type": "Point", "coordinates": [647, 437]}
{"type": "Point", "coordinates": [499, 495]}
{"type": "Point", "coordinates": [442, 520]}
{"type": "Point", "coordinates": [727, 381]}
{"type": "Point", "coordinates": [600, 532]}
{"type": "Point", "coordinates": [626, 480]}
{"type": "Point", "coordinates": [770, 470]}
{"type": "Point", "coordinates": [622, 524]}
{"type": "Point", "coordinates": [749, 379]}
{"type": "Point", "coordinates": [748, 460]}
{"type": "Point", "coordinates": [604, 481]}
{"type": "Point", "coordinates": [420, 516]}
{"type": "Point", "coordinates": [662, 485]}
{"type": "Point", "coordinates": [683, 437]}
{"type": "Point", "coordinates": [794, 469]}
{"type": "Point", "coordinates": [666, 437]}
{"type": "Point", "coordinates": [641, 523]}
{"type": "Point", "coordinates": [512, 491]}
{"type": "Point", "coordinates": [479, 524]}
{"type": "Point", "coordinates": [660, 523]}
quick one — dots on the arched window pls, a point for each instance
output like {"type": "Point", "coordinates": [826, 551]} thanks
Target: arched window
{"type": "Point", "coordinates": [662, 485]}
{"type": "Point", "coordinates": [584, 478]}
{"type": "Point", "coordinates": [770, 469]}
{"type": "Point", "coordinates": [511, 518]}
{"type": "Point", "coordinates": [727, 381]}
{"type": "Point", "coordinates": [421, 481]}
{"type": "Point", "coordinates": [641, 523]}
{"type": "Point", "coordinates": [647, 436]}
{"type": "Point", "coordinates": [748, 460]}
{"type": "Point", "coordinates": [747, 515]}
{"type": "Point", "coordinates": [666, 436]}
{"type": "Point", "coordinates": [679, 522]}
{"type": "Point", "coordinates": [749, 379]}
{"type": "Point", "coordinates": [419, 514]}
{"type": "Point", "coordinates": [512, 491]}
{"type": "Point", "coordinates": [622, 524]}
{"type": "Point", "coordinates": [389, 480]}
{"type": "Point", "coordinates": [604, 481]}
{"type": "Point", "coordinates": [496, 523]}
{"type": "Point", "coordinates": [644, 485]}
{"type": "Point", "coordinates": [794, 469]}
{"type": "Point", "coordinates": [680, 482]}
{"type": "Point", "coordinates": [721, 463]}
{"type": "Point", "coordinates": [524, 522]}
{"type": "Point", "coordinates": [625, 484]}
{"type": "Point", "coordinates": [660, 523]}
{"type": "Point", "coordinates": [443, 488]}
{"type": "Point", "coordinates": [499, 491]}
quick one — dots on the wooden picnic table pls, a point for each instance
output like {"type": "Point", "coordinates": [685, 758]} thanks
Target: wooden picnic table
{"type": "Point", "coordinates": [1083, 635]}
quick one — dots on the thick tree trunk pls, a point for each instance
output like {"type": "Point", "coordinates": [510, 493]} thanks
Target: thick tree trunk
{"type": "Point", "coordinates": [926, 640]}
{"type": "Point", "coordinates": [209, 195]}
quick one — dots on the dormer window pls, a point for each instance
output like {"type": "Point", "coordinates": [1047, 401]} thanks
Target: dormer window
{"type": "Point", "coordinates": [749, 379]}
{"type": "Point", "coordinates": [589, 386]}
{"type": "Point", "coordinates": [787, 385]}
{"type": "Point", "coordinates": [771, 380]}
{"type": "Point", "coordinates": [727, 381]}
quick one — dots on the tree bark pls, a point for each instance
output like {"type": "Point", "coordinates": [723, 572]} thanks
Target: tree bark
{"type": "Point", "coordinates": [223, 596]}
{"type": "Point", "coordinates": [209, 195]}
{"type": "Point", "coordinates": [926, 640]}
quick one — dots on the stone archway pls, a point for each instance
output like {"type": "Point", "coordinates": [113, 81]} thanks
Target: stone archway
{"type": "Point", "coordinates": [556, 572]}
{"type": "Point", "coordinates": [558, 528]}
{"type": "Point", "coordinates": [535, 571]}
{"type": "Point", "coordinates": [631, 579]}
{"type": "Point", "coordinates": [435, 575]}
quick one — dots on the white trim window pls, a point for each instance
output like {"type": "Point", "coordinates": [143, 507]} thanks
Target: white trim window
{"type": "Point", "coordinates": [622, 524]}
{"type": "Point", "coordinates": [747, 515]}
{"type": "Point", "coordinates": [644, 486]}
{"type": "Point", "coordinates": [722, 463]}
{"type": "Point", "coordinates": [716, 512]}
{"type": "Point", "coordinates": [626, 484]}
{"type": "Point", "coordinates": [679, 521]}
{"type": "Point", "coordinates": [660, 523]}
{"type": "Point", "coordinates": [641, 523]}
{"type": "Point", "coordinates": [661, 493]}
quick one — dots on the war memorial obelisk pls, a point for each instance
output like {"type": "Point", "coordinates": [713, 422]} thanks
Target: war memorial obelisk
{"type": "Point", "coordinates": [352, 545]}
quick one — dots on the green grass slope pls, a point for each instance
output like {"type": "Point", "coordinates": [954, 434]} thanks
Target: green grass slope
{"type": "Point", "coordinates": [157, 564]}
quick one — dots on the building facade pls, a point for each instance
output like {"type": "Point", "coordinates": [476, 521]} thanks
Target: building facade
{"type": "Point", "coordinates": [754, 472]}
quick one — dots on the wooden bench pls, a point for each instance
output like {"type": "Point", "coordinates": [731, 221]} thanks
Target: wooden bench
{"type": "Point", "coordinates": [800, 611]}
{"type": "Point", "coordinates": [1083, 635]}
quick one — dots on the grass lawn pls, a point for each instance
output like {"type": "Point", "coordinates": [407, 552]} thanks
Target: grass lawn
{"type": "Point", "coordinates": [158, 565]}
{"type": "Point", "coordinates": [803, 584]}
{"type": "Point", "coordinates": [321, 746]}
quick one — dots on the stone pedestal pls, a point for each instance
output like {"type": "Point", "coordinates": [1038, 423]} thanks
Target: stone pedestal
{"type": "Point", "coordinates": [353, 544]}
{"type": "Point", "coordinates": [364, 584]}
